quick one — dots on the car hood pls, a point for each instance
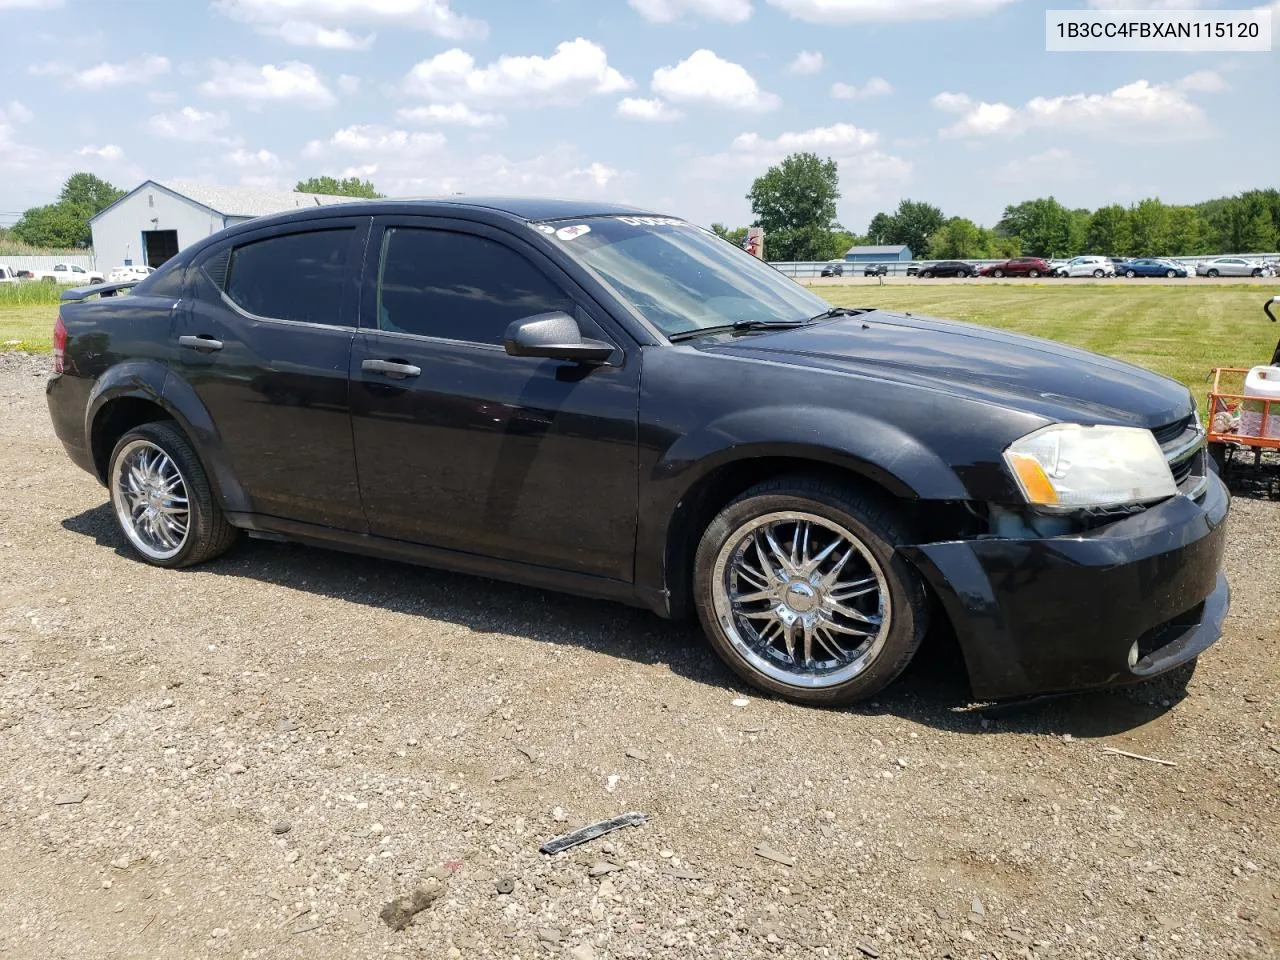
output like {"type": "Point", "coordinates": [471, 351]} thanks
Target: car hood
{"type": "Point", "coordinates": [1057, 382]}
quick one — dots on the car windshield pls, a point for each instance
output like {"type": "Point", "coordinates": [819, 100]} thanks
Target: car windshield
{"type": "Point", "coordinates": [681, 278]}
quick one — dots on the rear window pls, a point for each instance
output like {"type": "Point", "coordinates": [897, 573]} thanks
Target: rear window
{"type": "Point", "coordinates": [296, 276]}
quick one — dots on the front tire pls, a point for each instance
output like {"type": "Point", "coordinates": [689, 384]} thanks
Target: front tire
{"type": "Point", "coordinates": [1171, 274]}
{"type": "Point", "coordinates": [801, 592]}
{"type": "Point", "coordinates": [1130, 274]}
{"type": "Point", "coordinates": [162, 501]}
{"type": "Point", "coordinates": [997, 274]}
{"type": "Point", "coordinates": [1212, 274]}
{"type": "Point", "coordinates": [1256, 274]}
{"type": "Point", "coordinates": [1033, 274]}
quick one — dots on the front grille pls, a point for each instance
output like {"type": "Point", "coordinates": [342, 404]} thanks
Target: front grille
{"type": "Point", "coordinates": [1183, 446]}
{"type": "Point", "coordinates": [1172, 432]}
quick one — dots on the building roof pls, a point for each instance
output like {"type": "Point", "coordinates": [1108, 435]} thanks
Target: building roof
{"type": "Point", "coordinates": [245, 201]}
{"type": "Point", "coordinates": [889, 251]}
{"type": "Point", "coordinates": [235, 201]}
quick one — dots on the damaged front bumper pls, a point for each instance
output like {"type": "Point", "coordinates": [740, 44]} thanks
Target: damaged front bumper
{"type": "Point", "coordinates": [1116, 605]}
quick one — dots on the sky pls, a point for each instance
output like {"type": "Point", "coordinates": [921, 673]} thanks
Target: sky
{"type": "Point", "coordinates": [671, 105]}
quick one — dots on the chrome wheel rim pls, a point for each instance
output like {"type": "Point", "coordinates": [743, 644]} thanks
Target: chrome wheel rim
{"type": "Point", "coordinates": [149, 494]}
{"type": "Point", "coordinates": [801, 599]}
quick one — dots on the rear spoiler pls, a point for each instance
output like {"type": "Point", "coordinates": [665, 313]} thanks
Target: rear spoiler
{"type": "Point", "coordinates": [98, 290]}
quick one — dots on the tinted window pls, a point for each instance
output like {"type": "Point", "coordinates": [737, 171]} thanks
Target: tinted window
{"type": "Point", "coordinates": [297, 276]}
{"type": "Point", "coordinates": [458, 286]}
{"type": "Point", "coordinates": [163, 283]}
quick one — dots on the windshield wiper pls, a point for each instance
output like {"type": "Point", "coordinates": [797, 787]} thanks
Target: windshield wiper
{"type": "Point", "coordinates": [736, 327]}
{"type": "Point", "coordinates": [840, 312]}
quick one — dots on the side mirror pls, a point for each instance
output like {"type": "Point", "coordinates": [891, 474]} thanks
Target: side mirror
{"type": "Point", "coordinates": [555, 336]}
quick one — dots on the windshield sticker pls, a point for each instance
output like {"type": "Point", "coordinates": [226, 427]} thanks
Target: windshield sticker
{"type": "Point", "coordinates": [653, 221]}
{"type": "Point", "coordinates": [545, 228]}
{"type": "Point", "coordinates": [572, 233]}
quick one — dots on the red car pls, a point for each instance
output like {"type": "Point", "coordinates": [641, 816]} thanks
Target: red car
{"type": "Point", "coordinates": [1018, 267]}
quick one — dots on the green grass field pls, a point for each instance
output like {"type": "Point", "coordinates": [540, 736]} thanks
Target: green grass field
{"type": "Point", "coordinates": [1180, 331]}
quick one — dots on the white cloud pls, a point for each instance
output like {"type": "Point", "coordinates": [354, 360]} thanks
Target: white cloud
{"type": "Point", "coordinates": [348, 84]}
{"type": "Point", "coordinates": [635, 108]}
{"type": "Point", "coordinates": [806, 61]}
{"type": "Point", "coordinates": [161, 96]}
{"type": "Point", "coordinates": [1147, 4]}
{"type": "Point", "coordinates": [259, 160]}
{"type": "Point", "coordinates": [863, 11]}
{"type": "Point", "coordinates": [560, 171]}
{"type": "Point", "coordinates": [107, 151]}
{"type": "Point", "coordinates": [16, 112]}
{"type": "Point", "coordinates": [875, 87]}
{"type": "Point", "coordinates": [450, 114]}
{"type": "Point", "coordinates": [30, 4]}
{"type": "Point", "coordinates": [189, 124]}
{"type": "Point", "coordinates": [1054, 165]}
{"type": "Point", "coordinates": [304, 33]}
{"type": "Point", "coordinates": [1139, 110]}
{"type": "Point", "coordinates": [865, 170]}
{"type": "Point", "coordinates": [667, 11]}
{"type": "Point", "coordinates": [292, 82]}
{"type": "Point", "coordinates": [380, 141]}
{"type": "Point", "coordinates": [434, 16]}
{"type": "Point", "coordinates": [705, 78]}
{"type": "Point", "coordinates": [578, 69]}
{"type": "Point", "coordinates": [1203, 81]}
{"type": "Point", "coordinates": [139, 70]}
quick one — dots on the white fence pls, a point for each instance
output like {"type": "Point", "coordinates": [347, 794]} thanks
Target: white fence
{"type": "Point", "coordinates": [88, 261]}
{"type": "Point", "coordinates": [898, 268]}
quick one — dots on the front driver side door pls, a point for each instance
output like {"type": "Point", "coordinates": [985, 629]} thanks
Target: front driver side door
{"type": "Point", "coordinates": [462, 447]}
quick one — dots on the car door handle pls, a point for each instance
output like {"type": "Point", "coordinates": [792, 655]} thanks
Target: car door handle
{"type": "Point", "coordinates": [390, 368]}
{"type": "Point", "coordinates": [203, 343]}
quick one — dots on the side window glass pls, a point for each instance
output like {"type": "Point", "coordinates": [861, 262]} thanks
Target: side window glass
{"type": "Point", "coordinates": [296, 276]}
{"type": "Point", "coordinates": [458, 286]}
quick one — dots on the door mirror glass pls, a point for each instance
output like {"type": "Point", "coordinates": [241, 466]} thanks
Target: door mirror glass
{"type": "Point", "coordinates": [555, 336]}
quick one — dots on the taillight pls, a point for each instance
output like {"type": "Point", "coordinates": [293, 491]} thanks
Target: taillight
{"type": "Point", "coordinates": [59, 344]}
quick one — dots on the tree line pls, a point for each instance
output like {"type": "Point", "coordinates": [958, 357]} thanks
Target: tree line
{"type": "Point", "coordinates": [795, 203]}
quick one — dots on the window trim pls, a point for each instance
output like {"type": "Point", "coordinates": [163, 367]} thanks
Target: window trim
{"type": "Point", "coordinates": [349, 304]}
{"type": "Point", "coordinates": [581, 301]}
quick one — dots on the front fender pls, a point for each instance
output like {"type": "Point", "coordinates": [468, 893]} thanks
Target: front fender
{"type": "Point", "coordinates": [154, 382]}
{"type": "Point", "coordinates": [883, 454]}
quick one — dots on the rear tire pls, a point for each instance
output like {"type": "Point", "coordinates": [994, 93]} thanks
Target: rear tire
{"type": "Point", "coordinates": [1130, 274]}
{"type": "Point", "coordinates": [1212, 273]}
{"type": "Point", "coordinates": [1033, 274]}
{"type": "Point", "coordinates": [162, 501]}
{"type": "Point", "coordinates": [997, 274]}
{"type": "Point", "coordinates": [823, 635]}
{"type": "Point", "coordinates": [1256, 274]}
{"type": "Point", "coordinates": [1099, 274]}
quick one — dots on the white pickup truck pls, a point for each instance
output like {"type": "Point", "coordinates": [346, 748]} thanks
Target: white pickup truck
{"type": "Point", "coordinates": [69, 273]}
{"type": "Point", "coordinates": [8, 275]}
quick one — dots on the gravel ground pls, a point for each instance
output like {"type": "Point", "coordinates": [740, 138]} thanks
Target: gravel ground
{"type": "Point", "coordinates": [252, 758]}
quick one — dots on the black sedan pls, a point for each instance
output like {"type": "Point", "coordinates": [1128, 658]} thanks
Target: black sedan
{"type": "Point", "coordinates": [875, 270]}
{"type": "Point", "coordinates": [949, 268]}
{"type": "Point", "coordinates": [600, 400]}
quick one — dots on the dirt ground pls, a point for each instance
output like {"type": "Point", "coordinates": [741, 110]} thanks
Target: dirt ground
{"type": "Point", "coordinates": [251, 758]}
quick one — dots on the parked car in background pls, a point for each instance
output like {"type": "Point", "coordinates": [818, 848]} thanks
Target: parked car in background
{"type": "Point", "coordinates": [875, 270]}
{"type": "Point", "coordinates": [1118, 263]}
{"type": "Point", "coordinates": [1231, 267]}
{"type": "Point", "coordinates": [9, 276]}
{"type": "Point", "coordinates": [1097, 267]}
{"type": "Point", "coordinates": [589, 398]}
{"type": "Point", "coordinates": [949, 268]}
{"type": "Point", "coordinates": [1154, 268]}
{"type": "Point", "coordinates": [68, 273]}
{"type": "Point", "coordinates": [834, 269]}
{"type": "Point", "coordinates": [1017, 267]}
{"type": "Point", "coordinates": [124, 274]}
{"type": "Point", "coordinates": [1055, 266]}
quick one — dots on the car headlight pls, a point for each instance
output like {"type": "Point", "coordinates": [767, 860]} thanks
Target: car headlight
{"type": "Point", "coordinates": [1067, 466]}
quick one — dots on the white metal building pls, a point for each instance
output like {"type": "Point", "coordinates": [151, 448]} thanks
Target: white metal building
{"type": "Point", "coordinates": [155, 220]}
